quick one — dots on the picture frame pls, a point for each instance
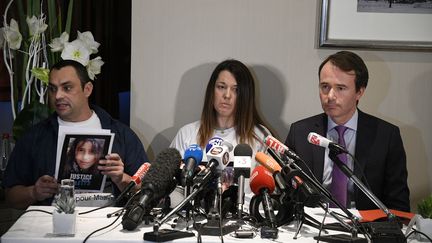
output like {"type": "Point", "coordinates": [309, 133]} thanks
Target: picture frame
{"type": "Point", "coordinates": [79, 160]}
{"type": "Point", "coordinates": [341, 26]}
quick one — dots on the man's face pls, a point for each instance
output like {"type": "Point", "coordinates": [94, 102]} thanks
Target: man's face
{"type": "Point", "coordinates": [225, 95]}
{"type": "Point", "coordinates": [338, 93]}
{"type": "Point", "coordinates": [67, 96]}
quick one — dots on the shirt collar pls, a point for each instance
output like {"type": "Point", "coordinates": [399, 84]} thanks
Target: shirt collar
{"type": "Point", "coordinates": [351, 123]}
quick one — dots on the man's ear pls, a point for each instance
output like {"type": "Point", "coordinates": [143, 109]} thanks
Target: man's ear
{"type": "Point", "coordinates": [88, 89]}
{"type": "Point", "coordinates": [360, 93]}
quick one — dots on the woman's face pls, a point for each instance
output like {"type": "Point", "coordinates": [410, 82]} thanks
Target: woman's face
{"type": "Point", "coordinates": [85, 155]}
{"type": "Point", "coordinates": [225, 95]}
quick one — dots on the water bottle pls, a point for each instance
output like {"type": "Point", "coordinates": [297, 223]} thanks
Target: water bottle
{"type": "Point", "coordinates": [5, 151]}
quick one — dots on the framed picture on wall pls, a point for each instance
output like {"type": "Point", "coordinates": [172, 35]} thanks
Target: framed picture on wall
{"type": "Point", "coordinates": [375, 24]}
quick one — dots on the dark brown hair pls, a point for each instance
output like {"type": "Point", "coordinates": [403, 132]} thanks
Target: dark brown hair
{"type": "Point", "coordinates": [246, 114]}
{"type": "Point", "coordinates": [349, 61]}
{"type": "Point", "coordinates": [80, 70]}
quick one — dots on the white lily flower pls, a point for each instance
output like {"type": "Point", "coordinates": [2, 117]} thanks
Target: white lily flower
{"type": "Point", "coordinates": [58, 44]}
{"type": "Point", "coordinates": [87, 38]}
{"type": "Point", "coordinates": [76, 50]}
{"type": "Point", "coordinates": [36, 26]}
{"type": "Point", "coordinates": [94, 67]}
{"type": "Point", "coordinates": [12, 35]}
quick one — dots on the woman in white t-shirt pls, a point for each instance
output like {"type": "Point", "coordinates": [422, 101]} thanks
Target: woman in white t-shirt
{"type": "Point", "coordinates": [229, 112]}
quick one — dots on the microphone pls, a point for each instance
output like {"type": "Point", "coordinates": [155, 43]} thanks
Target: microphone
{"type": "Point", "coordinates": [218, 156]}
{"type": "Point", "coordinates": [316, 139]}
{"type": "Point", "coordinates": [192, 157]}
{"type": "Point", "coordinates": [309, 194]}
{"type": "Point", "coordinates": [273, 167]}
{"type": "Point", "coordinates": [242, 164]}
{"type": "Point", "coordinates": [278, 146]}
{"type": "Point", "coordinates": [262, 184]}
{"type": "Point", "coordinates": [158, 183]}
{"type": "Point", "coordinates": [218, 159]}
{"type": "Point", "coordinates": [136, 180]}
{"type": "Point", "coordinates": [268, 162]}
{"type": "Point", "coordinates": [335, 149]}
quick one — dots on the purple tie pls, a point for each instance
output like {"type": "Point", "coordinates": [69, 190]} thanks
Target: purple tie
{"type": "Point", "coordinates": [339, 180]}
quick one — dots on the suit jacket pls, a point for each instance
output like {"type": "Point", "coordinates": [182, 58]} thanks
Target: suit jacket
{"type": "Point", "coordinates": [379, 151]}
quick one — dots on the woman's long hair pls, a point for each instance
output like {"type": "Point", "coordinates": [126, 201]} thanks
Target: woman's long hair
{"type": "Point", "coordinates": [246, 113]}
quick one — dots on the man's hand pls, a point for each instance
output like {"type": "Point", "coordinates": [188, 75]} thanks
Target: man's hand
{"type": "Point", "coordinates": [113, 167]}
{"type": "Point", "coordinates": [45, 187]}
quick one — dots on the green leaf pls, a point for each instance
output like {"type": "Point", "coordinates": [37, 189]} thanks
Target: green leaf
{"type": "Point", "coordinates": [29, 116]}
{"type": "Point", "coordinates": [41, 74]}
{"type": "Point", "coordinates": [69, 17]}
{"type": "Point", "coordinates": [424, 208]}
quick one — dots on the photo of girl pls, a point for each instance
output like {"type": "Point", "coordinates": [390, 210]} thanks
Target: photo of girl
{"type": "Point", "coordinates": [80, 159]}
{"type": "Point", "coordinates": [84, 155]}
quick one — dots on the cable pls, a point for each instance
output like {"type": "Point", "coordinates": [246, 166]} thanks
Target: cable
{"type": "Point", "coordinates": [92, 233]}
{"type": "Point", "coordinates": [95, 209]}
{"type": "Point", "coordinates": [35, 210]}
{"type": "Point", "coordinates": [414, 231]}
{"type": "Point", "coordinates": [361, 172]}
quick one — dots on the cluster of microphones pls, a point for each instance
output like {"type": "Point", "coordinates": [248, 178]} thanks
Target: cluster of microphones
{"type": "Point", "coordinates": [280, 184]}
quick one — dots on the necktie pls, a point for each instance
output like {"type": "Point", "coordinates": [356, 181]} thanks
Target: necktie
{"type": "Point", "coordinates": [339, 180]}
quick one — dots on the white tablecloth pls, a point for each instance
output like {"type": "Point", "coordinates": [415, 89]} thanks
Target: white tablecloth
{"type": "Point", "coordinates": [37, 227]}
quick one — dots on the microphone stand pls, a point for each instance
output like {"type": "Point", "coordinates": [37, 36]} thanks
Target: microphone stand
{"type": "Point", "coordinates": [200, 181]}
{"type": "Point", "coordinates": [389, 231]}
{"type": "Point", "coordinates": [354, 228]}
{"type": "Point", "coordinates": [187, 206]}
{"type": "Point", "coordinates": [214, 226]}
{"type": "Point", "coordinates": [187, 191]}
{"type": "Point", "coordinates": [240, 196]}
{"type": "Point", "coordinates": [313, 180]}
{"type": "Point", "coordinates": [333, 154]}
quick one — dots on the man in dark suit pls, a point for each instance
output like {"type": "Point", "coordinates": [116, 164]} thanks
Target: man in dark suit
{"type": "Point", "coordinates": [375, 143]}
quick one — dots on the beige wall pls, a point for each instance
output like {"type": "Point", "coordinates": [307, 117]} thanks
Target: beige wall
{"type": "Point", "coordinates": [176, 45]}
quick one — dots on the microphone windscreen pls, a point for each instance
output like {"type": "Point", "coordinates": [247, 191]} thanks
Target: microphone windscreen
{"type": "Point", "coordinates": [194, 151]}
{"type": "Point", "coordinates": [243, 150]}
{"type": "Point", "coordinates": [268, 162]}
{"type": "Point", "coordinates": [162, 171]}
{"type": "Point", "coordinates": [261, 178]}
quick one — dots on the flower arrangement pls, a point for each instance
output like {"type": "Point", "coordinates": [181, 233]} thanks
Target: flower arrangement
{"type": "Point", "coordinates": [79, 50]}
{"type": "Point", "coordinates": [28, 58]}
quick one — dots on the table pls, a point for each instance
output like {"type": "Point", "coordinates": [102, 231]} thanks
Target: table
{"type": "Point", "coordinates": [37, 227]}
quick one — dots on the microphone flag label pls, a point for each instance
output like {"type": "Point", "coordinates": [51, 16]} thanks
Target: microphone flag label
{"type": "Point", "coordinates": [141, 172]}
{"type": "Point", "coordinates": [275, 144]}
{"type": "Point", "coordinates": [314, 139]}
{"type": "Point", "coordinates": [215, 141]}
